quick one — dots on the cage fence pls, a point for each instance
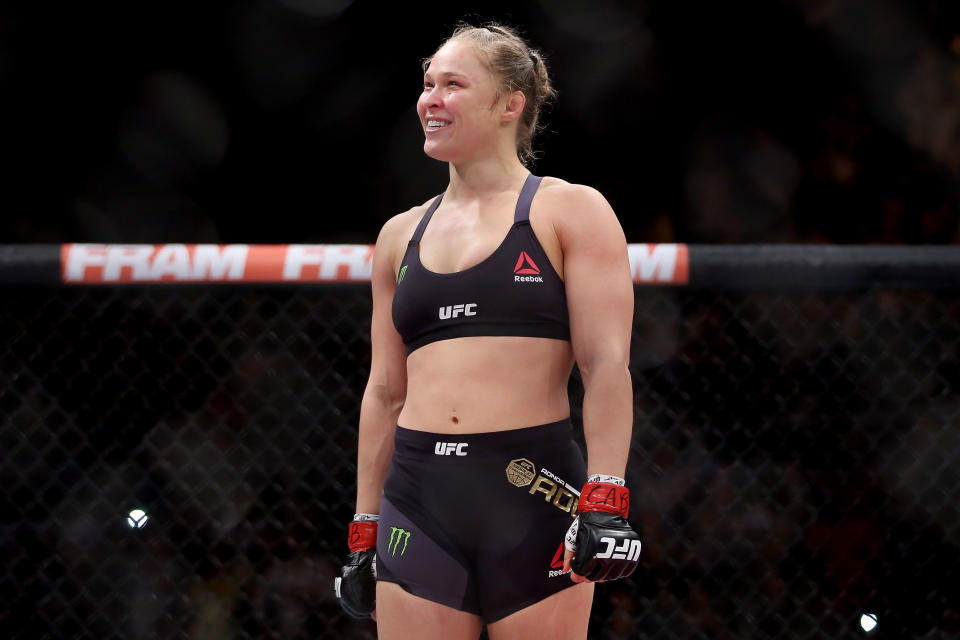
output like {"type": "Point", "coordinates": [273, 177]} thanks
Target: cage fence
{"type": "Point", "coordinates": [179, 461]}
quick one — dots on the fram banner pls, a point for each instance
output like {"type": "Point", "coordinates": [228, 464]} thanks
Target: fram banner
{"type": "Point", "coordinates": [184, 263]}
{"type": "Point", "coordinates": [113, 263]}
{"type": "Point", "coordinates": [659, 263]}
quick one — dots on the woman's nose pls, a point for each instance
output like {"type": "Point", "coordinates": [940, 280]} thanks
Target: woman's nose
{"type": "Point", "coordinates": [433, 97]}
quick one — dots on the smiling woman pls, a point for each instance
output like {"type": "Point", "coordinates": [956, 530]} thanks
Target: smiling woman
{"type": "Point", "coordinates": [483, 299]}
{"type": "Point", "coordinates": [513, 66]}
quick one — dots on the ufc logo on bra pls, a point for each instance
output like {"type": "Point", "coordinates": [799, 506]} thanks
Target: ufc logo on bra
{"type": "Point", "coordinates": [453, 311]}
{"type": "Point", "coordinates": [446, 448]}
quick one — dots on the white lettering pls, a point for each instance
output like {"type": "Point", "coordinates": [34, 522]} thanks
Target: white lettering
{"type": "Point", "coordinates": [214, 262]}
{"type": "Point", "coordinates": [559, 480]}
{"type": "Point", "coordinates": [81, 256]}
{"type": "Point", "coordinates": [447, 448]}
{"type": "Point", "coordinates": [334, 261]}
{"type": "Point", "coordinates": [357, 261]}
{"type": "Point", "coordinates": [621, 550]}
{"type": "Point", "coordinates": [171, 260]}
{"type": "Point", "coordinates": [609, 550]}
{"type": "Point", "coordinates": [155, 263]}
{"type": "Point", "coordinates": [653, 262]}
{"type": "Point", "coordinates": [300, 256]}
{"type": "Point", "coordinates": [136, 257]}
{"type": "Point", "coordinates": [453, 311]}
{"type": "Point", "coordinates": [528, 278]}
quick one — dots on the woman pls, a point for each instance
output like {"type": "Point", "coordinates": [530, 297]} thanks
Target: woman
{"type": "Point", "coordinates": [483, 298]}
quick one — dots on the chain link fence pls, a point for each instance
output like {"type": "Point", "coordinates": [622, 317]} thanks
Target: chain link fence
{"type": "Point", "coordinates": [794, 462]}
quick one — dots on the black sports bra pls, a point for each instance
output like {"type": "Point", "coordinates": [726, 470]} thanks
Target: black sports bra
{"type": "Point", "coordinates": [513, 292]}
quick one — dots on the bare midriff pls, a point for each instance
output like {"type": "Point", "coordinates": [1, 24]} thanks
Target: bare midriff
{"type": "Point", "coordinates": [487, 383]}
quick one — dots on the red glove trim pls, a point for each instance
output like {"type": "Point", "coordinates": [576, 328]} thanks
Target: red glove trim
{"type": "Point", "coordinates": [362, 536]}
{"type": "Point", "coordinates": [606, 497]}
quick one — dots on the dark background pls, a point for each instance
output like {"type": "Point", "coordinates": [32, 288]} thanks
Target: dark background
{"type": "Point", "coordinates": [795, 452]}
{"type": "Point", "coordinates": [293, 120]}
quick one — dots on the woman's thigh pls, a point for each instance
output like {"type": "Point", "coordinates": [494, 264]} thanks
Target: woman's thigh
{"type": "Point", "coordinates": [562, 616]}
{"type": "Point", "coordinates": [404, 616]}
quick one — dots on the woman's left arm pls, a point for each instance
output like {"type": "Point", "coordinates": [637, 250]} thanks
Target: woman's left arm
{"type": "Point", "coordinates": [599, 288]}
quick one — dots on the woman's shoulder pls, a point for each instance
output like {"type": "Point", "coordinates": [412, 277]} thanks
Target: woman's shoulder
{"type": "Point", "coordinates": [580, 216]}
{"type": "Point", "coordinates": [402, 225]}
{"type": "Point", "coordinates": [397, 231]}
{"type": "Point", "coordinates": [566, 199]}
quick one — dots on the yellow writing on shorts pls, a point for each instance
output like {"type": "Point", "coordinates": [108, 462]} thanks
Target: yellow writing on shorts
{"type": "Point", "coordinates": [521, 472]}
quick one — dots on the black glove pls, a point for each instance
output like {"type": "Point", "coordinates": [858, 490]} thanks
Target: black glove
{"type": "Point", "coordinates": [604, 545]}
{"type": "Point", "coordinates": [356, 586]}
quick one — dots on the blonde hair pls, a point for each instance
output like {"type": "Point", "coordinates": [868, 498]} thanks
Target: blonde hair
{"type": "Point", "coordinates": [518, 67]}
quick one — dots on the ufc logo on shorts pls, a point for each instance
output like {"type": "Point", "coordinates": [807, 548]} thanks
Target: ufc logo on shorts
{"type": "Point", "coordinates": [453, 311]}
{"type": "Point", "coordinates": [446, 448]}
{"type": "Point", "coordinates": [626, 550]}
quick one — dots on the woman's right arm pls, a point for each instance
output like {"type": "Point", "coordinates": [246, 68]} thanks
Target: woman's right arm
{"type": "Point", "coordinates": [387, 386]}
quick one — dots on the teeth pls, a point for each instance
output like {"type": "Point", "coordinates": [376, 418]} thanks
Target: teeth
{"type": "Point", "coordinates": [436, 123]}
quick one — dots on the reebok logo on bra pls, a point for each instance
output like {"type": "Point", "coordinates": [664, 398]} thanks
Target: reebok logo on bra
{"type": "Point", "coordinates": [526, 269]}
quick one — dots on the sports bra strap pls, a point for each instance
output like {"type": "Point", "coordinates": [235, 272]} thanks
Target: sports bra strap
{"type": "Point", "coordinates": [526, 197]}
{"type": "Point", "coordinates": [522, 213]}
{"type": "Point", "coordinates": [425, 219]}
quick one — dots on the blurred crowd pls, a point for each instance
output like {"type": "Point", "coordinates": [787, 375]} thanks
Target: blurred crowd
{"type": "Point", "coordinates": [793, 463]}
{"type": "Point", "coordinates": [292, 120]}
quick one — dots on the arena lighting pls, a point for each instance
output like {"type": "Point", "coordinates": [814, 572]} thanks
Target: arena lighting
{"type": "Point", "coordinates": [137, 519]}
{"type": "Point", "coordinates": [868, 622]}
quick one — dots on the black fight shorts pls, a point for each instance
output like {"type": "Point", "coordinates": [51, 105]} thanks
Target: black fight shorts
{"type": "Point", "coordinates": [476, 522]}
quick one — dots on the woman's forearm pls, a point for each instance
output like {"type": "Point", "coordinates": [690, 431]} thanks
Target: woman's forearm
{"type": "Point", "coordinates": [607, 416]}
{"type": "Point", "coordinates": [378, 420]}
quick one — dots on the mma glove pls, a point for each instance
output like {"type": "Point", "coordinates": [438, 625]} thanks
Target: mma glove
{"type": "Point", "coordinates": [356, 586]}
{"type": "Point", "coordinates": [604, 545]}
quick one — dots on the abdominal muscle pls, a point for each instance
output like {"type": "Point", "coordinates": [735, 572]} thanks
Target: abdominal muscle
{"type": "Point", "coordinates": [487, 383]}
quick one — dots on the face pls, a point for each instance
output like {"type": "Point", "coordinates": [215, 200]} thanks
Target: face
{"type": "Point", "coordinates": [457, 107]}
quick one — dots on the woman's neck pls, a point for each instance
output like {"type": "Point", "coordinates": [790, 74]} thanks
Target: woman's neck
{"type": "Point", "coordinates": [481, 178]}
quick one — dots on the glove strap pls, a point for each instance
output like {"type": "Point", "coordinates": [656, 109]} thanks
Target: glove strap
{"type": "Point", "coordinates": [600, 477]}
{"type": "Point", "coordinates": [605, 497]}
{"type": "Point", "coordinates": [362, 535]}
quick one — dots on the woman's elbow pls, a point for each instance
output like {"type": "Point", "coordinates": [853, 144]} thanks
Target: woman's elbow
{"type": "Point", "coordinates": [605, 367]}
{"type": "Point", "coordinates": [390, 396]}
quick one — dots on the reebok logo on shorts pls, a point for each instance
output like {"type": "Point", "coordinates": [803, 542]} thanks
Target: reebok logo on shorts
{"type": "Point", "coordinates": [526, 269]}
{"type": "Point", "coordinates": [556, 565]}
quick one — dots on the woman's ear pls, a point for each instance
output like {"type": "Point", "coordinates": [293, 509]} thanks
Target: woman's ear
{"type": "Point", "coordinates": [513, 107]}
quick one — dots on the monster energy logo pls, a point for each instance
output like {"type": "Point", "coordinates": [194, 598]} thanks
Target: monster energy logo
{"type": "Point", "coordinates": [396, 534]}
{"type": "Point", "coordinates": [403, 272]}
